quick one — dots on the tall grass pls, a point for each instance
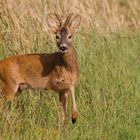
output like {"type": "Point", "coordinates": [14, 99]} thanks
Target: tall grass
{"type": "Point", "coordinates": [108, 48]}
{"type": "Point", "coordinates": [23, 22]}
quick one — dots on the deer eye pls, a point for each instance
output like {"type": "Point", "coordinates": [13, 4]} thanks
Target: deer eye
{"type": "Point", "coordinates": [70, 36]}
{"type": "Point", "coordinates": [57, 37]}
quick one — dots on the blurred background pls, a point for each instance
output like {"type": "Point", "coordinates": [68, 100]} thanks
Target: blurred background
{"type": "Point", "coordinates": [108, 48]}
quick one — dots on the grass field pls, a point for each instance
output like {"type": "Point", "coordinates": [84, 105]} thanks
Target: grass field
{"type": "Point", "coordinates": [108, 91]}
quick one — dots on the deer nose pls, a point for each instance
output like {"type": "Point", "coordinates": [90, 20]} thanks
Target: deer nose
{"type": "Point", "coordinates": [63, 47]}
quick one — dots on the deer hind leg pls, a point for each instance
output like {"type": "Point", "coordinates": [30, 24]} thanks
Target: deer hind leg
{"type": "Point", "coordinates": [9, 91]}
{"type": "Point", "coordinates": [63, 98]}
{"type": "Point", "coordinates": [74, 107]}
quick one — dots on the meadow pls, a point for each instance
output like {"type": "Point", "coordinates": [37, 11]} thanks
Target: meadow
{"type": "Point", "coordinates": [108, 91]}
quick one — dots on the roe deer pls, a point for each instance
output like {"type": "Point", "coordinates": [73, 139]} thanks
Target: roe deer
{"type": "Point", "coordinates": [56, 71]}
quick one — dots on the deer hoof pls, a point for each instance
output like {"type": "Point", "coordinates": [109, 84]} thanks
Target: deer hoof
{"type": "Point", "coordinates": [74, 117]}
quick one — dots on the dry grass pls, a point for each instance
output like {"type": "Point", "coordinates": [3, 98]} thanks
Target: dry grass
{"type": "Point", "coordinates": [21, 18]}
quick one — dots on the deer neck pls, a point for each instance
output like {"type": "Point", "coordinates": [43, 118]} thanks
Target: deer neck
{"type": "Point", "coordinates": [70, 59]}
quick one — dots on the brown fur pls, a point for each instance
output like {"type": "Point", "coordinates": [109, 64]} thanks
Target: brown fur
{"type": "Point", "coordinates": [55, 71]}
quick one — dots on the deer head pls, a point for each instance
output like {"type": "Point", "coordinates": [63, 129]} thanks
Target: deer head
{"type": "Point", "coordinates": [64, 31]}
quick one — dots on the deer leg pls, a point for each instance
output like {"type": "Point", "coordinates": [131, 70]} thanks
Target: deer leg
{"type": "Point", "coordinates": [63, 98]}
{"type": "Point", "coordinates": [74, 107]}
{"type": "Point", "coordinates": [9, 91]}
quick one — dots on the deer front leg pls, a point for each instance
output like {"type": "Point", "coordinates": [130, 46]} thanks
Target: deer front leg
{"type": "Point", "coordinates": [63, 98]}
{"type": "Point", "coordinates": [74, 107]}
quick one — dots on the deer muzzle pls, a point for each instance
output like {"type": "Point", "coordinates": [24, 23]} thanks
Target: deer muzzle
{"type": "Point", "coordinates": [63, 48]}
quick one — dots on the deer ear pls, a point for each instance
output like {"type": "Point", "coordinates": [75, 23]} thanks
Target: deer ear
{"type": "Point", "coordinates": [75, 22]}
{"type": "Point", "coordinates": [53, 25]}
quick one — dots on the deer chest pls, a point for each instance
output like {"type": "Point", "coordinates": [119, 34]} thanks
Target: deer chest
{"type": "Point", "coordinates": [62, 78]}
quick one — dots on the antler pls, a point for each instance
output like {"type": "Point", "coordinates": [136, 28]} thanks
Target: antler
{"type": "Point", "coordinates": [58, 18]}
{"type": "Point", "coordinates": [67, 21]}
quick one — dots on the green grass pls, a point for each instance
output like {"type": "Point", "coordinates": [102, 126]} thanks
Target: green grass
{"type": "Point", "coordinates": [107, 95]}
